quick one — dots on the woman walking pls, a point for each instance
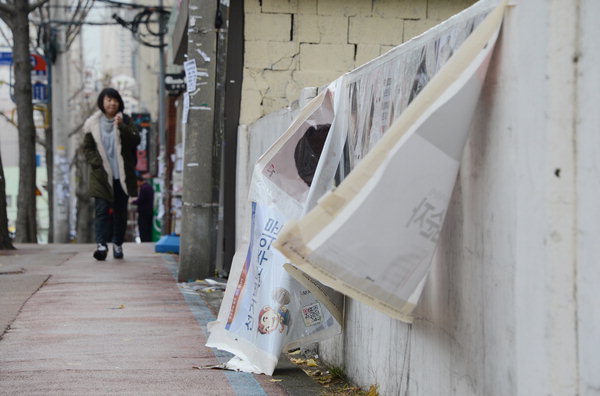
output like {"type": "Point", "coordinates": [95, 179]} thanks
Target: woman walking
{"type": "Point", "coordinates": [109, 145]}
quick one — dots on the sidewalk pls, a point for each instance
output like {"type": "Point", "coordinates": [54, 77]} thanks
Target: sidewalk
{"type": "Point", "coordinates": [113, 327]}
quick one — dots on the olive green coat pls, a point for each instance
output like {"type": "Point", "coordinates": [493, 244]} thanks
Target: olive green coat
{"type": "Point", "coordinates": [126, 140]}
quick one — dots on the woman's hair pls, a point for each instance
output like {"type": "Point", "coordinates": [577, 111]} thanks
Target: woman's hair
{"type": "Point", "coordinates": [111, 93]}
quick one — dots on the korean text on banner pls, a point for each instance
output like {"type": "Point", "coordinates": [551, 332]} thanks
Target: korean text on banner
{"type": "Point", "coordinates": [264, 309]}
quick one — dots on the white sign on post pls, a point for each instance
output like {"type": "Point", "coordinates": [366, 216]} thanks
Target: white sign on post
{"type": "Point", "coordinates": [190, 74]}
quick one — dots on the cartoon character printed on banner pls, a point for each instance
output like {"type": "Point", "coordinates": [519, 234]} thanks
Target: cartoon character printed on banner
{"type": "Point", "coordinates": [270, 319]}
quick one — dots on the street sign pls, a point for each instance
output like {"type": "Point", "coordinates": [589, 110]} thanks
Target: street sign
{"type": "Point", "coordinates": [39, 67]}
{"type": "Point", "coordinates": [40, 92]}
{"type": "Point", "coordinates": [6, 58]}
{"type": "Point", "coordinates": [175, 83]}
{"type": "Point", "coordinates": [38, 63]}
{"type": "Point", "coordinates": [39, 77]}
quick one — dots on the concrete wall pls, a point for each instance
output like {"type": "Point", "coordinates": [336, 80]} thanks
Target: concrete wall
{"type": "Point", "coordinates": [586, 145]}
{"type": "Point", "coordinates": [294, 44]}
{"type": "Point", "coordinates": [510, 306]}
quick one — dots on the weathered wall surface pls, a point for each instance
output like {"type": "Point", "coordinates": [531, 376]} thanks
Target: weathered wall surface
{"type": "Point", "coordinates": [509, 307]}
{"type": "Point", "coordinates": [292, 44]}
{"type": "Point", "coordinates": [587, 191]}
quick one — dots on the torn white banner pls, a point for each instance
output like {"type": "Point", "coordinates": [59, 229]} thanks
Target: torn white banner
{"type": "Point", "coordinates": [373, 238]}
{"type": "Point", "coordinates": [264, 309]}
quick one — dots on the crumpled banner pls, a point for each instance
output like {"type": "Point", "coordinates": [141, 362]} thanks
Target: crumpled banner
{"type": "Point", "coordinates": [373, 238]}
{"type": "Point", "coordinates": [403, 120]}
{"type": "Point", "coordinates": [264, 309]}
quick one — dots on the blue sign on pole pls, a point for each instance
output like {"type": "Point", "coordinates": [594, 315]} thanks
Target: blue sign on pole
{"type": "Point", "coordinates": [40, 92]}
{"type": "Point", "coordinates": [6, 58]}
{"type": "Point", "coordinates": [39, 76]}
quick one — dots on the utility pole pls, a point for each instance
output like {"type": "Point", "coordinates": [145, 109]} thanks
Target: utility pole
{"type": "Point", "coordinates": [200, 194]}
{"type": "Point", "coordinates": [60, 127]}
{"type": "Point", "coordinates": [161, 82]}
{"type": "Point", "coordinates": [221, 24]}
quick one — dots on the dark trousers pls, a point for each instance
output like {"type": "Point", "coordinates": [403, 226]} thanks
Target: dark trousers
{"type": "Point", "coordinates": [111, 225]}
{"type": "Point", "coordinates": [144, 221]}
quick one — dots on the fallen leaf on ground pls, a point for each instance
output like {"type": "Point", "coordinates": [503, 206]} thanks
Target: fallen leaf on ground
{"type": "Point", "coordinates": [373, 391]}
{"type": "Point", "coordinates": [311, 363]}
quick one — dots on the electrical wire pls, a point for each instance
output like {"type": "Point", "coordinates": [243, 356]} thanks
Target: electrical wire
{"type": "Point", "coordinates": [127, 5]}
{"type": "Point", "coordinates": [142, 18]}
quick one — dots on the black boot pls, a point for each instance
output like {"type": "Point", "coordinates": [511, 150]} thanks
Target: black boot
{"type": "Point", "coordinates": [117, 251]}
{"type": "Point", "coordinates": [101, 252]}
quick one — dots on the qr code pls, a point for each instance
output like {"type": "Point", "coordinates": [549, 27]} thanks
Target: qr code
{"type": "Point", "coordinates": [312, 314]}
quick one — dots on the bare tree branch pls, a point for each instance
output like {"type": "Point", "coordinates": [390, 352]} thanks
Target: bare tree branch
{"type": "Point", "coordinates": [74, 16]}
{"type": "Point", "coordinates": [76, 93]}
{"type": "Point", "coordinates": [78, 16]}
{"type": "Point", "coordinates": [6, 9]}
{"type": "Point", "coordinates": [6, 14]}
{"type": "Point", "coordinates": [41, 141]}
{"type": "Point", "coordinates": [77, 129]}
{"type": "Point", "coordinates": [9, 120]}
{"type": "Point", "coordinates": [38, 139]}
{"type": "Point", "coordinates": [37, 4]}
{"type": "Point", "coordinates": [86, 113]}
{"type": "Point", "coordinates": [5, 37]}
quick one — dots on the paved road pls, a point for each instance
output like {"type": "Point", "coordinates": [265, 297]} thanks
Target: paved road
{"type": "Point", "coordinates": [78, 326]}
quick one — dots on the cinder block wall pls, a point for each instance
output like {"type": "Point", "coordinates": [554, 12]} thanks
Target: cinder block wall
{"type": "Point", "coordinates": [292, 44]}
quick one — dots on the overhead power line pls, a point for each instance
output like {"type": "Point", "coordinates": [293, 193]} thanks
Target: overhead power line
{"type": "Point", "coordinates": [96, 23]}
{"type": "Point", "coordinates": [128, 5]}
{"type": "Point", "coordinates": [142, 19]}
